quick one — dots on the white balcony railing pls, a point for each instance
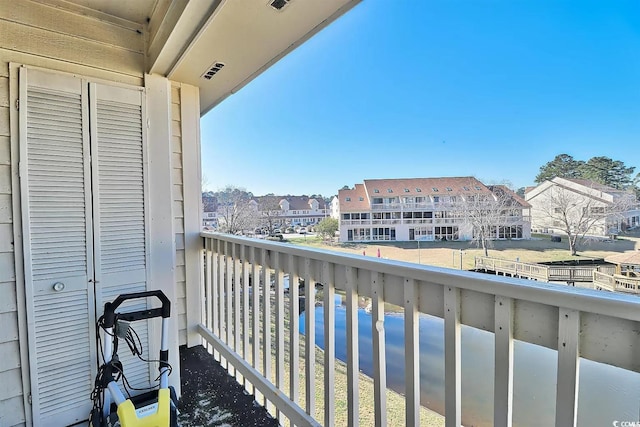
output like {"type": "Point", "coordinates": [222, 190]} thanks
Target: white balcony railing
{"type": "Point", "coordinates": [616, 282]}
{"type": "Point", "coordinates": [355, 222]}
{"type": "Point", "coordinates": [251, 326]}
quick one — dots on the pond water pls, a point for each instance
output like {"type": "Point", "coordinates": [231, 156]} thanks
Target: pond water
{"type": "Point", "coordinates": [606, 394]}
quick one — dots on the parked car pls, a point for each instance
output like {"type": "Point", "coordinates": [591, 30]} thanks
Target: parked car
{"type": "Point", "coordinates": [303, 230]}
{"type": "Point", "coordinates": [290, 230]}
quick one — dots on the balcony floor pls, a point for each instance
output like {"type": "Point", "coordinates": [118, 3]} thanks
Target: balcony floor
{"type": "Point", "coordinates": [211, 397]}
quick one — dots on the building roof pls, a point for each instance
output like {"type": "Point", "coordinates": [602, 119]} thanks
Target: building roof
{"type": "Point", "coordinates": [626, 258]}
{"type": "Point", "coordinates": [522, 202]}
{"type": "Point", "coordinates": [594, 185]}
{"type": "Point", "coordinates": [303, 202]}
{"type": "Point", "coordinates": [354, 199]}
{"type": "Point", "coordinates": [445, 186]}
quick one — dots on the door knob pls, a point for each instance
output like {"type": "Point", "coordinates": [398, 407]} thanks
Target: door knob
{"type": "Point", "coordinates": [58, 286]}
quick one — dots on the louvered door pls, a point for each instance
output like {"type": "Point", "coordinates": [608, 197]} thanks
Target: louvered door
{"type": "Point", "coordinates": [84, 220]}
{"type": "Point", "coordinates": [119, 209]}
{"type": "Point", "coordinates": [56, 206]}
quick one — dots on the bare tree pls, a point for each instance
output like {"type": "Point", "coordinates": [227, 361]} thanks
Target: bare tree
{"type": "Point", "coordinates": [579, 214]}
{"type": "Point", "coordinates": [270, 211]}
{"type": "Point", "coordinates": [204, 183]}
{"type": "Point", "coordinates": [489, 213]}
{"type": "Point", "coordinates": [236, 210]}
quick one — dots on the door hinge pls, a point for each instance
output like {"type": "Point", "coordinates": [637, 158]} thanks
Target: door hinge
{"type": "Point", "coordinates": [30, 399]}
{"type": "Point", "coordinates": [18, 104]}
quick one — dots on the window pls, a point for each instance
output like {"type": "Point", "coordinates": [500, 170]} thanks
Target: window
{"type": "Point", "coordinates": [478, 188]}
{"type": "Point", "coordinates": [389, 190]}
{"type": "Point", "coordinates": [406, 190]}
{"type": "Point", "coordinates": [557, 210]}
{"type": "Point", "coordinates": [449, 189]}
{"type": "Point", "coordinates": [435, 189]}
{"type": "Point", "coordinates": [361, 199]}
{"type": "Point", "coordinates": [348, 199]}
{"type": "Point", "coordinates": [436, 199]}
{"type": "Point", "coordinates": [418, 190]}
{"type": "Point", "coordinates": [375, 190]}
{"type": "Point", "coordinates": [465, 188]}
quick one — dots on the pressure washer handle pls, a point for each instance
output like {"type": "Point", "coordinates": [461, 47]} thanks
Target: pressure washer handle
{"type": "Point", "coordinates": [110, 308]}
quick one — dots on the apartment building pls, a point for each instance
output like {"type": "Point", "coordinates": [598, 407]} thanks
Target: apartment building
{"type": "Point", "coordinates": [293, 210]}
{"type": "Point", "coordinates": [588, 207]}
{"type": "Point", "coordinates": [429, 209]}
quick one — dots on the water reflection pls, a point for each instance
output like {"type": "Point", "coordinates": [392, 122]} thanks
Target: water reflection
{"type": "Point", "coordinates": [606, 393]}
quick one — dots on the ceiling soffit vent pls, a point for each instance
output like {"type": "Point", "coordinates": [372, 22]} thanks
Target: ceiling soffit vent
{"type": "Point", "coordinates": [213, 70]}
{"type": "Point", "coordinates": [279, 4]}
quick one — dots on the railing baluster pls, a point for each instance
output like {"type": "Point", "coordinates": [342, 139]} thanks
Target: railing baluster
{"type": "Point", "coordinates": [212, 266]}
{"type": "Point", "coordinates": [503, 380]}
{"type": "Point", "coordinates": [236, 299]}
{"type": "Point", "coordinates": [411, 353]}
{"type": "Point", "coordinates": [310, 339]}
{"type": "Point", "coordinates": [452, 380]}
{"type": "Point", "coordinates": [294, 330]}
{"type": "Point", "coordinates": [266, 319]}
{"type": "Point", "coordinates": [279, 324]}
{"type": "Point", "coordinates": [568, 367]}
{"type": "Point", "coordinates": [255, 314]}
{"type": "Point", "coordinates": [353, 366]}
{"type": "Point", "coordinates": [221, 281]}
{"type": "Point", "coordinates": [329, 343]}
{"type": "Point", "coordinates": [245, 309]}
{"type": "Point", "coordinates": [379, 358]}
{"type": "Point", "coordinates": [228, 281]}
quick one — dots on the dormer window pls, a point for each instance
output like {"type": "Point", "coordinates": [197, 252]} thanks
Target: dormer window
{"type": "Point", "coordinates": [418, 190]}
{"type": "Point", "coordinates": [465, 188]}
{"type": "Point", "coordinates": [478, 188]}
{"type": "Point", "coordinates": [406, 190]}
{"type": "Point", "coordinates": [375, 190]}
{"type": "Point", "coordinates": [449, 189]}
{"type": "Point", "coordinates": [435, 189]}
{"type": "Point", "coordinates": [389, 190]}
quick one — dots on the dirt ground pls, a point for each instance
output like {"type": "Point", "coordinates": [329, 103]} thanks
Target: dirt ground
{"type": "Point", "coordinates": [539, 248]}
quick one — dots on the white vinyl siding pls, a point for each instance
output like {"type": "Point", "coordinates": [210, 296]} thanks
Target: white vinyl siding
{"type": "Point", "coordinates": [11, 399]}
{"type": "Point", "coordinates": [47, 31]}
{"type": "Point", "coordinates": [178, 203]}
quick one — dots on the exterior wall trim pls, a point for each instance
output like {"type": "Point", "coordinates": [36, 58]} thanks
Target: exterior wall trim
{"type": "Point", "coordinates": [191, 181]}
{"type": "Point", "coordinates": [162, 257]}
{"type": "Point", "coordinates": [14, 91]}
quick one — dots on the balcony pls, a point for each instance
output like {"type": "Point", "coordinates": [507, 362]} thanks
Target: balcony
{"type": "Point", "coordinates": [288, 362]}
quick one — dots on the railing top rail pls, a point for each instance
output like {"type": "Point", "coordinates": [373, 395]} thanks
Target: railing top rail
{"type": "Point", "coordinates": [587, 300]}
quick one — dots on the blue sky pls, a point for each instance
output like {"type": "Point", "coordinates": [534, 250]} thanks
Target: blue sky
{"type": "Point", "coordinates": [427, 88]}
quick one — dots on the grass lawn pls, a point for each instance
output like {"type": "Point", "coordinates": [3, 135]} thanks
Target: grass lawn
{"type": "Point", "coordinates": [539, 248]}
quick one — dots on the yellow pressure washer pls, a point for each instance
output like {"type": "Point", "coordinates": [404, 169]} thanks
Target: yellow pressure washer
{"type": "Point", "coordinates": [154, 408]}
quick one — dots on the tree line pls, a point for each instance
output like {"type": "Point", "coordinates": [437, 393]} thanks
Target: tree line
{"type": "Point", "coordinates": [603, 170]}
